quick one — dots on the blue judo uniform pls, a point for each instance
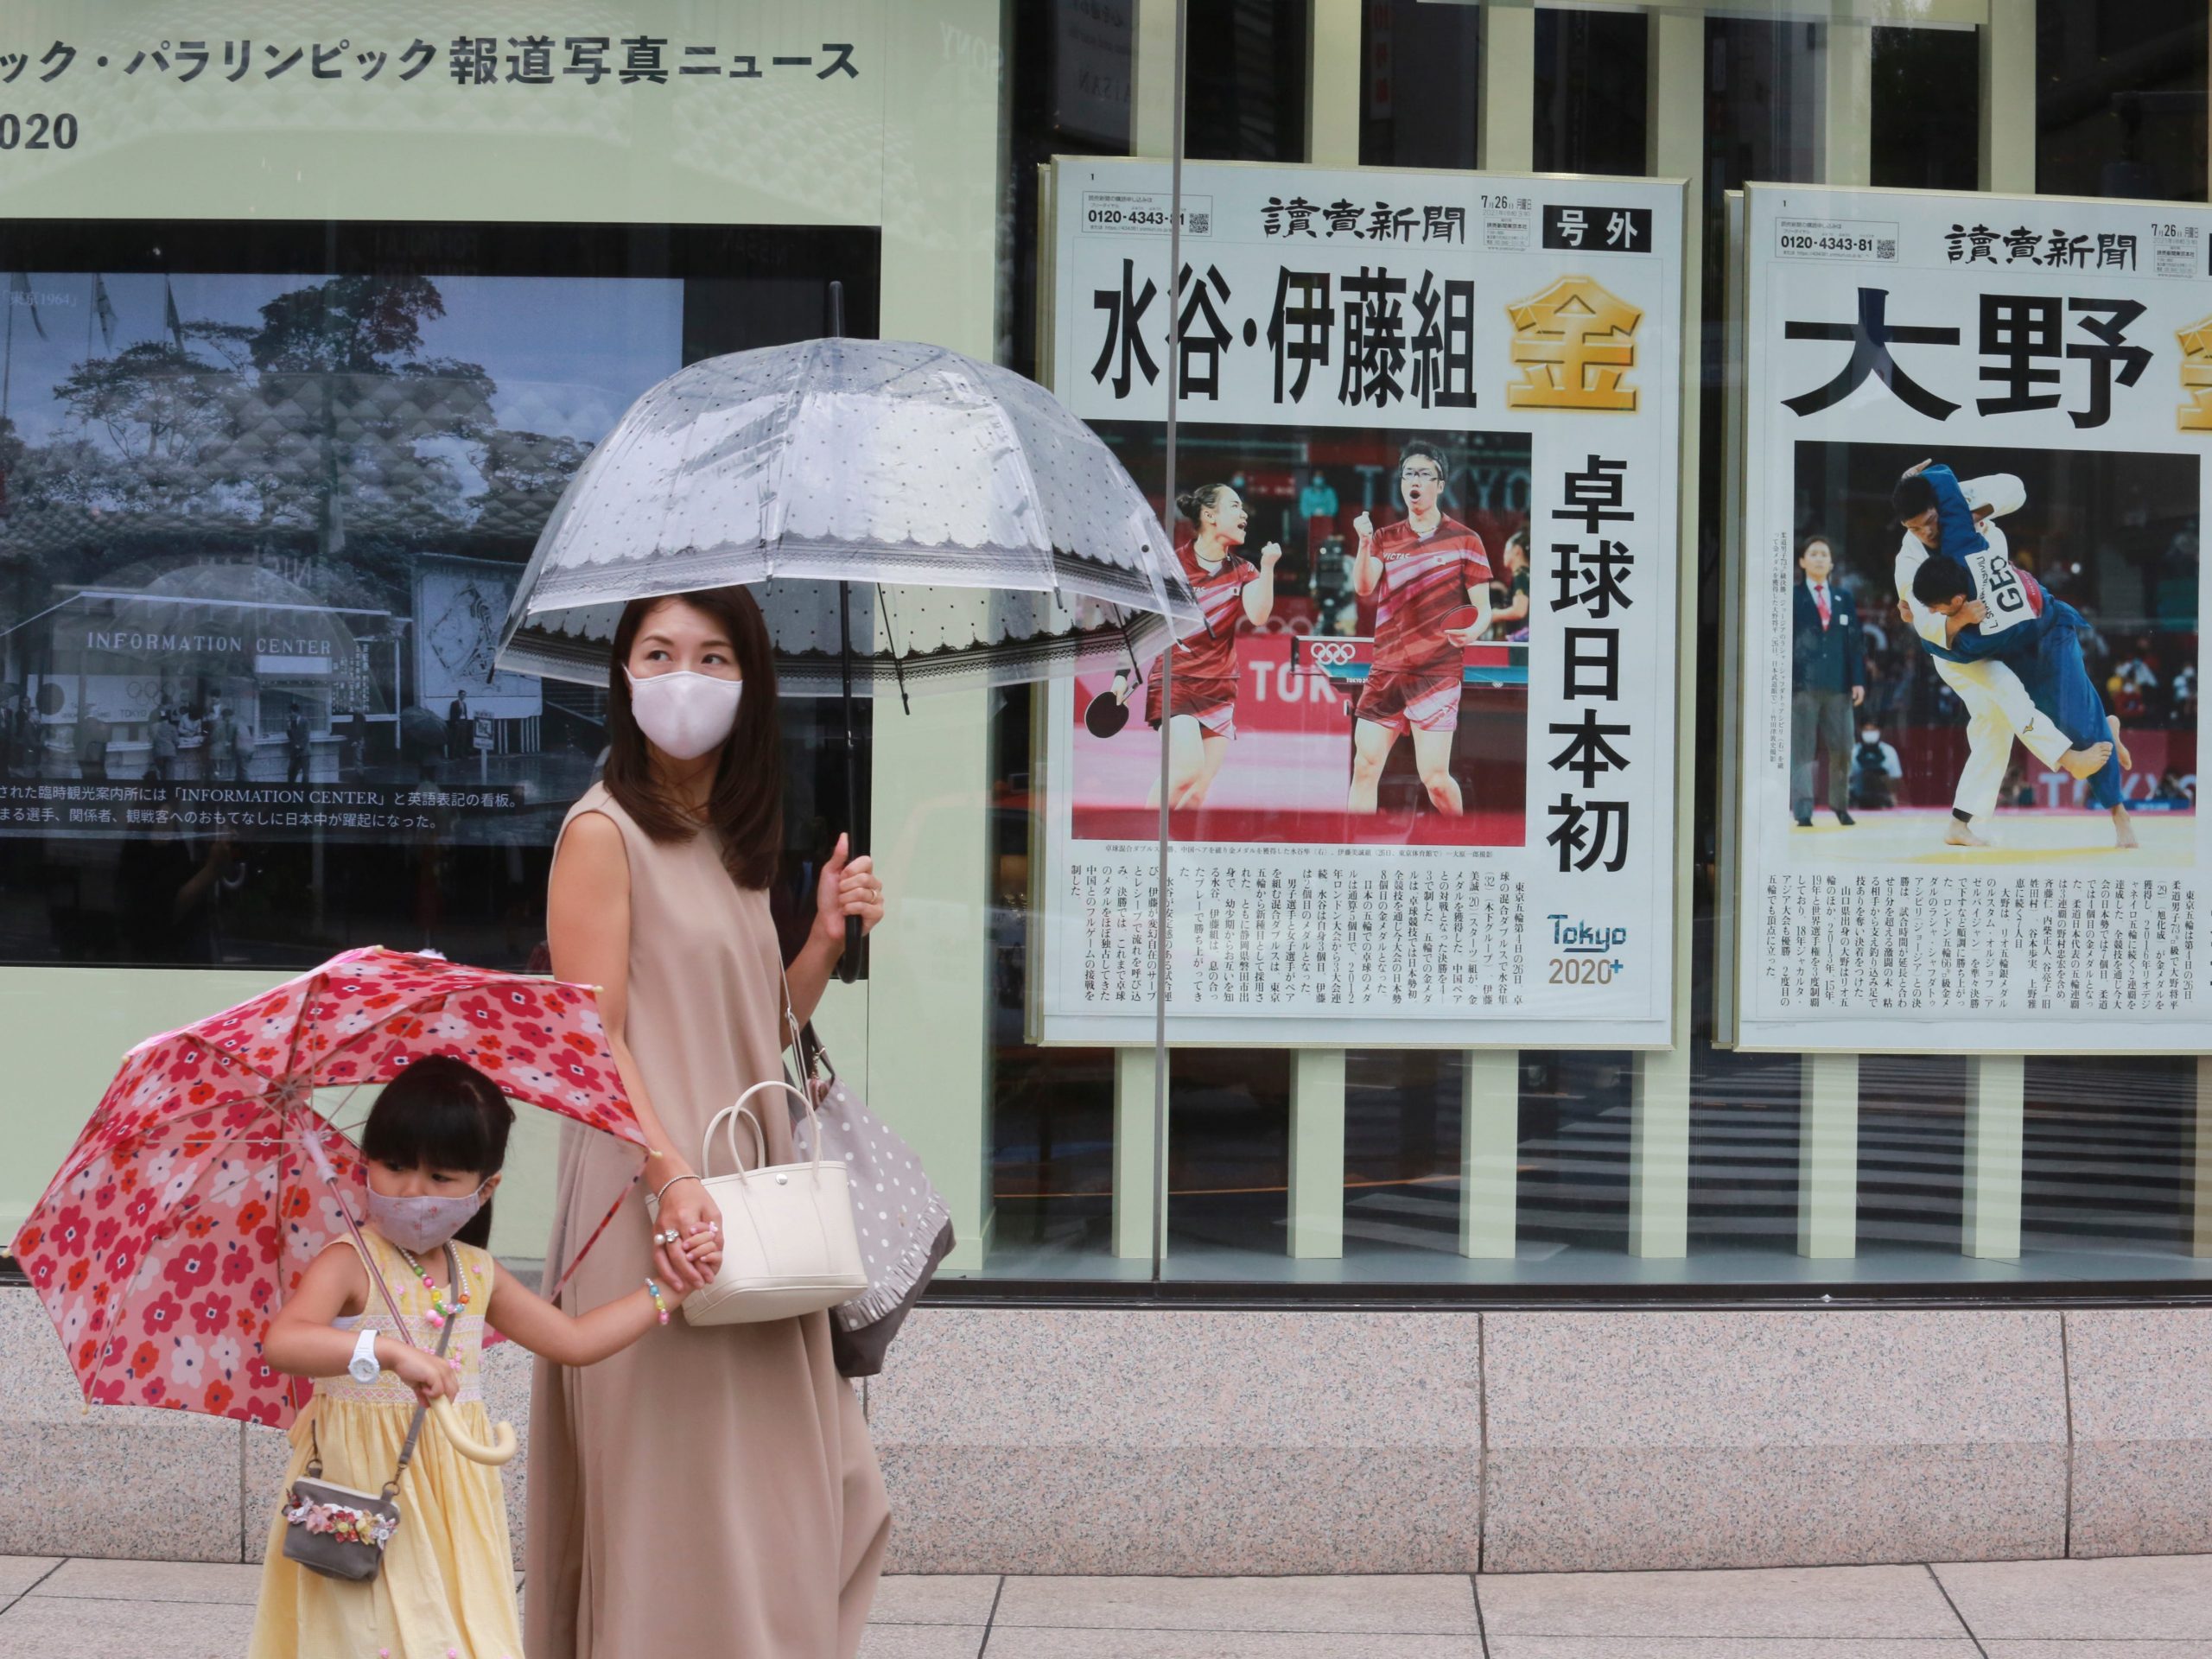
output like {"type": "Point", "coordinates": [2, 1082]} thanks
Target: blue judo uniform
{"type": "Point", "coordinates": [2044, 648]}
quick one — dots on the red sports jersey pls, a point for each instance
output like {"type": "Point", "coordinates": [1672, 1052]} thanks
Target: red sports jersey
{"type": "Point", "coordinates": [1425, 578]}
{"type": "Point", "coordinates": [1211, 655]}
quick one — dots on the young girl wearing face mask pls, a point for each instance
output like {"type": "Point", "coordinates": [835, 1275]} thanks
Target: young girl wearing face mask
{"type": "Point", "coordinates": [433, 1145]}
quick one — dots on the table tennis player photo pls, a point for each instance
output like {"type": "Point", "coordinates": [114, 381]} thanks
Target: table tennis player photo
{"type": "Point", "coordinates": [1353, 682]}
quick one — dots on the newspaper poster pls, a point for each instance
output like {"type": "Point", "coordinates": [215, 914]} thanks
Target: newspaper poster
{"type": "Point", "coordinates": [1975, 434]}
{"type": "Point", "coordinates": [1421, 755]}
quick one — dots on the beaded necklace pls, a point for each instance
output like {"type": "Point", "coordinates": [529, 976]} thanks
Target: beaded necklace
{"type": "Point", "coordinates": [445, 1306]}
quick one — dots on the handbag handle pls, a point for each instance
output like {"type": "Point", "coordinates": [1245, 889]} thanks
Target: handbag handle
{"type": "Point", "coordinates": [728, 1118]}
{"type": "Point", "coordinates": [730, 1114]}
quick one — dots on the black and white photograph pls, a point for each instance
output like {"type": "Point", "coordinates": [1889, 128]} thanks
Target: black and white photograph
{"type": "Point", "coordinates": [261, 532]}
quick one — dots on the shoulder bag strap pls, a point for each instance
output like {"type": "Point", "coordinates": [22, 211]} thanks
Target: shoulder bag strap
{"type": "Point", "coordinates": [789, 1012]}
{"type": "Point", "coordinates": [808, 1056]}
{"type": "Point", "coordinates": [445, 1341]}
{"type": "Point", "coordinates": [314, 1444]}
{"type": "Point", "coordinates": [799, 1041]}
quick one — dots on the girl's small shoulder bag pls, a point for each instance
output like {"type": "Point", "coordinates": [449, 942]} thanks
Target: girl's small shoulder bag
{"type": "Point", "coordinates": [336, 1530]}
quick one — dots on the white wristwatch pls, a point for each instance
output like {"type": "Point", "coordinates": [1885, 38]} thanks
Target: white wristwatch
{"type": "Point", "coordinates": [363, 1366]}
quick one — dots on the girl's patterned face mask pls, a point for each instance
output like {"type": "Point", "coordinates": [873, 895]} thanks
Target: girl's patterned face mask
{"type": "Point", "coordinates": [423, 1224]}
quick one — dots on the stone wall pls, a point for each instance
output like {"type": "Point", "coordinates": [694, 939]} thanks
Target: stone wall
{"type": "Point", "coordinates": [1283, 1441]}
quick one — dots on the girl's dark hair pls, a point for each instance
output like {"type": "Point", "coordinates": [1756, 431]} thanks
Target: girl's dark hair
{"type": "Point", "coordinates": [746, 807]}
{"type": "Point", "coordinates": [442, 1113]}
{"type": "Point", "coordinates": [1191, 503]}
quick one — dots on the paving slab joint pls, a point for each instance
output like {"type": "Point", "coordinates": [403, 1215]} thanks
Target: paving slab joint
{"type": "Point", "coordinates": [59, 1564]}
{"type": "Point", "coordinates": [2066, 1392]}
{"type": "Point", "coordinates": [1944, 1591]}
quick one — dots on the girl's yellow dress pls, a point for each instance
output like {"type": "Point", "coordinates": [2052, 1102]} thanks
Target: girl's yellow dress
{"type": "Point", "coordinates": [447, 1584]}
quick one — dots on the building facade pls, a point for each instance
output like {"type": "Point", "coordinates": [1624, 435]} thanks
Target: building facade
{"type": "Point", "coordinates": [1666, 1098]}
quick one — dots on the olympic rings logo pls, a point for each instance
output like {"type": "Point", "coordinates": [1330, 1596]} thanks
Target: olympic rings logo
{"type": "Point", "coordinates": [1328, 653]}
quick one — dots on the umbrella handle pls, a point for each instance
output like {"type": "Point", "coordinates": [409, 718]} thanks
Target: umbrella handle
{"type": "Point", "coordinates": [501, 1449]}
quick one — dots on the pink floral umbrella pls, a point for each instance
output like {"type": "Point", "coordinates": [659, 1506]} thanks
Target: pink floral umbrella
{"type": "Point", "coordinates": [207, 1180]}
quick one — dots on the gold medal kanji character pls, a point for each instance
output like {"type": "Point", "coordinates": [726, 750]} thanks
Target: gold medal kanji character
{"type": "Point", "coordinates": [2195, 415]}
{"type": "Point", "coordinates": [1573, 343]}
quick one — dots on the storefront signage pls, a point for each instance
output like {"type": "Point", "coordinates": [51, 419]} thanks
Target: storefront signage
{"type": "Point", "coordinates": [1423, 791]}
{"type": "Point", "coordinates": [1973, 479]}
{"type": "Point", "coordinates": [731, 111]}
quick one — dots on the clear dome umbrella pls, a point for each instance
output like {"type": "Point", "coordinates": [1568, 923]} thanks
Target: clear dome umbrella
{"type": "Point", "coordinates": [909, 518]}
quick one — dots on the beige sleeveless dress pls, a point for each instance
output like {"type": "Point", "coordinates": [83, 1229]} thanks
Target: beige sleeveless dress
{"type": "Point", "coordinates": [708, 1491]}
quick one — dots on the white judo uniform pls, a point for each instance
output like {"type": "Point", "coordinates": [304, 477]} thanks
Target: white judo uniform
{"type": "Point", "coordinates": [1997, 706]}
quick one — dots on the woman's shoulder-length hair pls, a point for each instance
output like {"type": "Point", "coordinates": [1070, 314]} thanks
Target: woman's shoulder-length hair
{"type": "Point", "coordinates": [746, 807]}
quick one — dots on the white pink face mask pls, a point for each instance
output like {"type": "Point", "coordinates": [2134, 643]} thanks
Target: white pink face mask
{"type": "Point", "coordinates": [682, 713]}
{"type": "Point", "coordinates": [424, 1222]}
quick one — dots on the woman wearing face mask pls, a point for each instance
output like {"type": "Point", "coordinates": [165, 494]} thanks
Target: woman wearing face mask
{"type": "Point", "coordinates": [713, 1492]}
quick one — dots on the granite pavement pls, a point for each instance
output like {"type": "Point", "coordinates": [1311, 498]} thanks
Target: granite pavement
{"type": "Point", "coordinates": [2122, 1607]}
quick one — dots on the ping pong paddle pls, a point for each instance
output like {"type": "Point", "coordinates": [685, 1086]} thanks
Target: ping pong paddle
{"type": "Point", "coordinates": [1106, 715]}
{"type": "Point", "coordinates": [1463, 617]}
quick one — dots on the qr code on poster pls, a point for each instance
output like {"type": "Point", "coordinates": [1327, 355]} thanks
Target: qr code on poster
{"type": "Point", "coordinates": [1198, 224]}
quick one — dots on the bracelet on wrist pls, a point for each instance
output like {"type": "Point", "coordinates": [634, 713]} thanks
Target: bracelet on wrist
{"type": "Point", "coordinates": [672, 1181]}
{"type": "Point", "coordinates": [660, 1306]}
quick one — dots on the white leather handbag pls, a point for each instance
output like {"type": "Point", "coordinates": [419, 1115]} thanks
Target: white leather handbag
{"type": "Point", "coordinates": [789, 1245]}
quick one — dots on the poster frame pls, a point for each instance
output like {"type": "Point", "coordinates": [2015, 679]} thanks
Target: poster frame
{"type": "Point", "coordinates": [1731, 964]}
{"type": "Point", "coordinates": [1679, 878]}
{"type": "Point", "coordinates": [1727, 819]}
